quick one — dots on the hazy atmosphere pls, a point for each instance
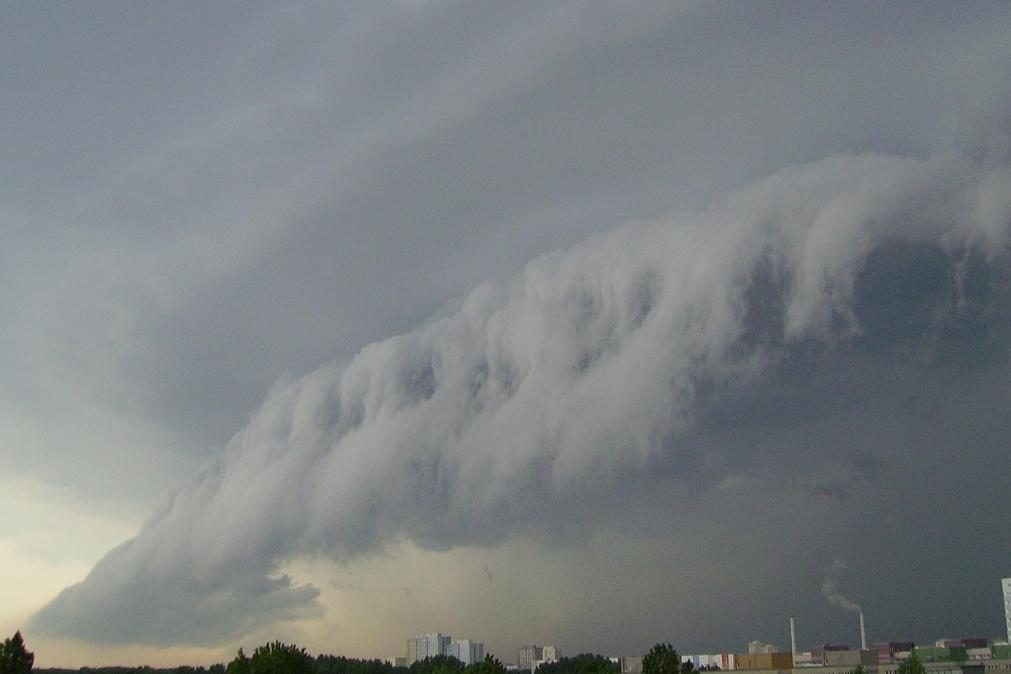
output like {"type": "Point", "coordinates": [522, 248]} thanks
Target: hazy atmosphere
{"type": "Point", "coordinates": [590, 323]}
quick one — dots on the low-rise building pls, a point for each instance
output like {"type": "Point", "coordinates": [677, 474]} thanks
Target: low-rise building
{"type": "Point", "coordinates": [769, 661]}
{"type": "Point", "coordinates": [630, 664]}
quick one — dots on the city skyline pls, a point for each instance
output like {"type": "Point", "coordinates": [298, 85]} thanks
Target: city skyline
{"type": "Point", "coordinates": [604, 323]}
{"type": "Point", "coordinates": [528, 654]}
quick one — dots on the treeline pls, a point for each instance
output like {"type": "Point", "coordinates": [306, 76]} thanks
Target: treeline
{"type": "Point", "coordinates": [273, 658]}
{"type": "Point", "coordinates": [281, 658]}
{"type": "Point", "coordinates": [185, 669]}
{"type": "Point", "coordinates": [584, 663]}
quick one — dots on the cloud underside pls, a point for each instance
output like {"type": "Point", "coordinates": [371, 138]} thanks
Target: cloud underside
{"type": "Point", "coordinates": [794, 336]}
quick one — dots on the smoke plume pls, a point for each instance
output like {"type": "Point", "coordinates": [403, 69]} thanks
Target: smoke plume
{"type": "Point", "coordinates": [651, 354]}
{"type": "Point", "coordinates": [830, 588]}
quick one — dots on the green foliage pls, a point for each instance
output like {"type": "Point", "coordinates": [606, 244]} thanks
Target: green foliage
{"type": "Point", "coordinates": [490, 665]}
{"type": "Point", "coordinates": [859, 670]}
{"type": "Point", "coordinates": [279, 658]}
{"type": "Point", "coordinates": [912, 665]}
{"type": "Point", "coordinates": [240, 665]}
{"type": "Point", "coordinates": [437, 664]}
{"type": "Point", "coordinates": [143, 669]}
{"type": "Point", "coordinates": [338, 664]}
{"type": "Point", "coordinates": [664, 659]}
{"type": "Point", "coordinates": [14, 657]}
{"type": "Point", "coordinates": [584, 663]}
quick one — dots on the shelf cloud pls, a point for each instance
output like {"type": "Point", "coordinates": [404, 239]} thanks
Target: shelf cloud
{"type": "Point", "coordinates": [649, 355]}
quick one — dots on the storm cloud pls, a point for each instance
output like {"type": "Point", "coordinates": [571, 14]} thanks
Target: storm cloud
{"type": "Point", "coordinates": [808, 330]}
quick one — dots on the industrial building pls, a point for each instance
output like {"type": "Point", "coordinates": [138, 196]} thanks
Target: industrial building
{"type": "Point", "coordinates": [966, 655]}
{"type": "Point", "coordinates": [970, 655]}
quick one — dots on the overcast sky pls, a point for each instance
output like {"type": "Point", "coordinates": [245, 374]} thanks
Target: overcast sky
{"type": "Point", "coordinates": [699, 305]}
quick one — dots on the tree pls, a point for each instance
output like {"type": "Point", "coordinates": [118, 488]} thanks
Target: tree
{"type": "Point", "coordinates": [584, 663]}
{"type": "Point", "coordinates": [437, 664]}
{"type": "Point", "coordinates": [912, 665]}
{"type": "Point", "coordinates": [278, 658]}
{"type": "Point", "coordinates": [240, 665]}
{"type": "Point", "coordinates": [664, 659]}
{"type": "Point", "coordinates": [14, 657]}
{"type": "Point", "coordinates": [338, 664]}
{"type": "Point", "coordinates": [490, 665]}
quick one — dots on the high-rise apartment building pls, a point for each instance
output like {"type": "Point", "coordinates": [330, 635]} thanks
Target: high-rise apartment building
{"type": "Point", "coordinates": [526, 656]}
{"type": "Point", "coordinates": [1006, 585]}
{"type": "Point", "coordinates": [427, 646]}
{"type": "Point", "coordinates": [548, 654]}
{"type": "Point", "coordinates": [466, 651]}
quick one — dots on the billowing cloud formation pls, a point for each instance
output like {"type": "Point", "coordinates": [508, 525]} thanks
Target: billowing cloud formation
{"type": "Point", "coordinates": [627, 360]}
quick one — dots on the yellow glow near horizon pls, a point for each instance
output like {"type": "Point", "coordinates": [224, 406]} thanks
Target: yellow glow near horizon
{"type": "Point", "coordinates": [48, 540]}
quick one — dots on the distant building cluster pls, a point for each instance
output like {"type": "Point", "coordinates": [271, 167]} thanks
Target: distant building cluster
{"type": "Point", "coordinates": [969, 655]}
{"type": "Point", "coordinates": [531, 657]}
{"type": "Point", "coordinates": [974, 655]}
{"type": "Point", "coordinates": [435, 643]}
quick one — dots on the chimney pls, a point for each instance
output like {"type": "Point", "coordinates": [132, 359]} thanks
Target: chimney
{"type": "Point", "coordinates": [793, 641]}
{"type": "Point", "coordinates": [863, 633]}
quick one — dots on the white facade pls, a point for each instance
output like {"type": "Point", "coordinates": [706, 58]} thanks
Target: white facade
{"type": "Point", "coordinates": [527, 655]}
{"type": "Point", "coordinates": [427, 646]}
{"type": "Point", "coordinates": [466, 651]}
{"type": "Point", "coordinates": [723, 661]}
{"type": "Point", "coordinates": [548, 654]}
{"type": "Point", "coordinates": [760, 647]}
{"type": "Point", "coordinates": [1006, 585]}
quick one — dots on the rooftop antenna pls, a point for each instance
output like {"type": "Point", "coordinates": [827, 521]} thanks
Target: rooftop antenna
{"type": "Point", "coordinates": [863, 633]}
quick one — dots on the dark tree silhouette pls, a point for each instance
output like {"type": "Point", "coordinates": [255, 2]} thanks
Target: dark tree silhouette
{"type": "Point", "coordinates": [664, 659]}
{"type": "Point", "coordinates": [279, 658]}
{"type": "Point", "coordinates": [239, 665]}
{"type": "Point", "coordinates": [437, 664]}
{"type": "Point", "coordinates": [490, 665]}
{"type": "Point", "coordinates": [14, 657]}
{"type": "Point", "coordinates": [584, 663]}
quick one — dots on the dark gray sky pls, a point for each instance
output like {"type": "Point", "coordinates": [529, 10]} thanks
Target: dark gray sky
{"type": "Point", "coordinates": [795, 354]}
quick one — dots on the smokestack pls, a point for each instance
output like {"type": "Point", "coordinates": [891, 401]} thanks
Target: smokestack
{"type": "Point", "coordinates": [793, 641]}
{"type": "Point", "coordinates": [863, 633]}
